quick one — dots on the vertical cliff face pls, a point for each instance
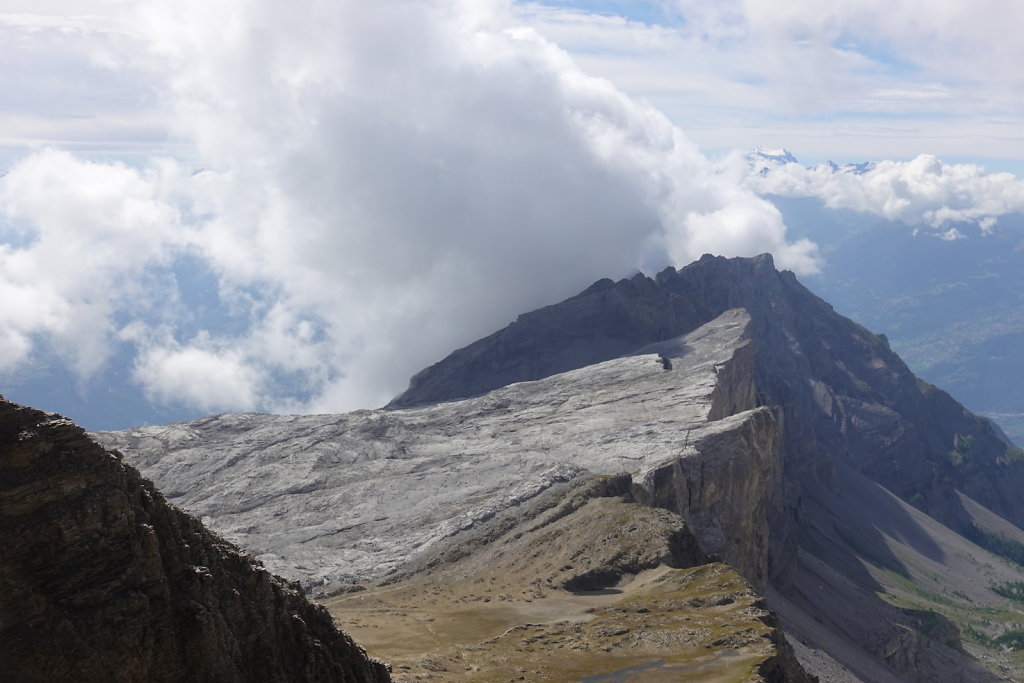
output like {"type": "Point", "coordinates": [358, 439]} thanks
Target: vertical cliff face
{"type": "Point", "coordinates": [102, 580]}
{"type": "Point", "coordinates": [844, 396]}
{"type": "Point", "coordinates": [725, 492]}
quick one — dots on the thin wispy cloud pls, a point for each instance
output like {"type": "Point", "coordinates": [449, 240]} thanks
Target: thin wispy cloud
{"type": "Point", "coordinates": [834, 79]}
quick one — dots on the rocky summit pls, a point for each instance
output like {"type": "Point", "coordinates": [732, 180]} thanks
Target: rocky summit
{"type": "Point", "coordinates": [750, 429]}
{"type": "Point", "coordinates": [102, 580]}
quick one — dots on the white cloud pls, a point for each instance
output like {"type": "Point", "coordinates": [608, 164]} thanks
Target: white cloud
{"type": "Point", "coordinates": [80, 237]}
{"type": "Point", "coordinates": [208, 379]}
{"type": "Point", "coordinates": [380, 183]}
{"type": "Point", "coordinates": [924, 191]}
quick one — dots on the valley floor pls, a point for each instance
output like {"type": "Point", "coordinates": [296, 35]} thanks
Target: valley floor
{"type": "Point", "coordinates": [698, 624]}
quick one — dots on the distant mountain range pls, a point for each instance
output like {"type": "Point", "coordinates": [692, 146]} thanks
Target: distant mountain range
{"type": "Point", "coordinates": [953, 309]}
{"type": "Point", "coordinates": [952, 305]}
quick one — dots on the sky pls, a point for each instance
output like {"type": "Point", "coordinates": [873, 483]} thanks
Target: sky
{"type": "Point", "coordinates": [228, 205]}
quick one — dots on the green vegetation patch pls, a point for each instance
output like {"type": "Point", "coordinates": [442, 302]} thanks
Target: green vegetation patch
{"type": "Point", "coordinates": [1011, 640]}
{"type": "Point", "coordinates": [1013, 590]}
{"type": "Point", "coordinates": [997, 544]}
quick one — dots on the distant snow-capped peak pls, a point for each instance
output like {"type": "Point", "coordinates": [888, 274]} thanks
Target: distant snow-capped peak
{"type": "Point", "coordinates": [762, 159]}
{"type": "Point", "coordinates": [777, 156]}
{"type": "Point", "coordinates": [855, 169]}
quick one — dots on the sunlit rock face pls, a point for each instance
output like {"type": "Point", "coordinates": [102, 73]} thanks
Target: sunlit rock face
{"type": "Point", "coordinates": [328, 499]}
{"type": "Point", "coordinates": [842, 393]}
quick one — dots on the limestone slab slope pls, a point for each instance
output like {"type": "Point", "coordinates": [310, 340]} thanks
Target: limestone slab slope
{"type": "Point", "coordinates": [329, 499]}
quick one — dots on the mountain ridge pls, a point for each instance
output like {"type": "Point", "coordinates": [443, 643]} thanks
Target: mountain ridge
{"type": "Point", "coordinates": [830, 350]}
{"type": "Point", "coordinates": [776, 429]}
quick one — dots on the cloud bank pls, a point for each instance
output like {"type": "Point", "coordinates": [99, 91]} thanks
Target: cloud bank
{"type": "Point", "coordinates": [368, 186]}
{"type": "Point", "coordinates": [925, 192]}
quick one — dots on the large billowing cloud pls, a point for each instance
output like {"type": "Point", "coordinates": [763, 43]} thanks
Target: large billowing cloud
{"type": "Point", "coordinates": [77, 241]}
{"type": "Point", "coordinates": [369, 185]}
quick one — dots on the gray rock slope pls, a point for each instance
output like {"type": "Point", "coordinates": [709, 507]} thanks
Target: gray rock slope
{"type": "Point", "coordinates": [329, 499]}
{"type": "Point", "coordinates": [841, 391]}
{"type": "Point", "coordinates": [851, 415]}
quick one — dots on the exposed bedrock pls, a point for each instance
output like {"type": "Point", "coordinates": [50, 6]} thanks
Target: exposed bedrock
{"type": "Point", "coordinates": [838, 391]}
{"type": "Point", "coordinates": [409, 480]}
{"type": "Point", "coordinates": [102, 580]}
{"type": "Point", "coordinates": [724, 492]}
{"type": "Point", "coordinates": [773, 426]}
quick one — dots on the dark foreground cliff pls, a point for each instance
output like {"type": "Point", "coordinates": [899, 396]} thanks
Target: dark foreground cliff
{"type": "Point", "coordinates": [102, 580]}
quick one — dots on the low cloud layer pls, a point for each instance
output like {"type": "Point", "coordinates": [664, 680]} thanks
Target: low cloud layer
{"type": "Point", "coordinates": [925, 192]}
{"type": "Point", "coordinates": [367, 187]}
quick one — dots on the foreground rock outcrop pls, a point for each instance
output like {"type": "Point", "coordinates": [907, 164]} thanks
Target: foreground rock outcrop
{"type": "Point", "coordinates": [102, 580]}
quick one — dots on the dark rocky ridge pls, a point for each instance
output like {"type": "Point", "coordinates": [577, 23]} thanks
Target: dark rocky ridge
{"type": "Point", "coordinates": [102, 580]}
{"type": "Point", "coordinates": [839, 390]}
{"type": "Point", "coordinates": [608, 320]}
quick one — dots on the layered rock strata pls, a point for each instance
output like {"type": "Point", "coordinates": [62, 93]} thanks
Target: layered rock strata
{"type": "Point", "coordinates": [840, 391]}
{"type": "Point", "coordinates": [409, 480]}
{"type": "Point", "coordinates": [850, 415]}
{"type": "Point", "coordinates": [102, 580]}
